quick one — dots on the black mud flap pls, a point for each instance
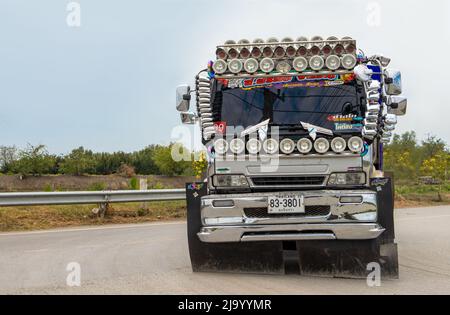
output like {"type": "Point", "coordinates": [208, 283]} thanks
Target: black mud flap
{"type": "Point", "coordinates": [251, 257]}
{"type": "Point", "coordinates": [334, 258]}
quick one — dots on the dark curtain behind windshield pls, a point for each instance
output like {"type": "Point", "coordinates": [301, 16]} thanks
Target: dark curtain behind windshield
{"type": "Point", "coordinates": [285, 106]}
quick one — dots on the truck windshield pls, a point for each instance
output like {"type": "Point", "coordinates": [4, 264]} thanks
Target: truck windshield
{"type": "Point", "coordinates": [333, 107]}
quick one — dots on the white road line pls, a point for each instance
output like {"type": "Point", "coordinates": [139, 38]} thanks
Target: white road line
{"type": "Point", "coordinates": [422, 218]}
{"type": "Point", "coordinates": [108, 227]}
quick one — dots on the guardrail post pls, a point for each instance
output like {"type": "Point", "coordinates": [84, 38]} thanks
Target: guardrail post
{"type": "Point", "coordinates": [143, 186]}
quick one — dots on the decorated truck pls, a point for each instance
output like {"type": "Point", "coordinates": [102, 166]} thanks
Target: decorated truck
{"type": "Point", "coordinates": [294, 131]}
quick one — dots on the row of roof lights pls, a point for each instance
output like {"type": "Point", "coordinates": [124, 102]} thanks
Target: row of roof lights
{"type": "Point", "coordinates": [285, 56]}
{"type": "Point", "coordinates": [299, 64]}
{"type": "Point", "coordinates": [286, 48]}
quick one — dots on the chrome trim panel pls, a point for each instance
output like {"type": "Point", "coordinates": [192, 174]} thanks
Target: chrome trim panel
{"type": "Point", "coordinates": [243, 233]}
{"type": "Point", "coordinates": [365, 211]}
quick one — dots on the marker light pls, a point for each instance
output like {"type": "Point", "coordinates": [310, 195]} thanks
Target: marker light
{"type": "Point", "coordinates": [253, 146]}
{"type": "Point", "coordinates": [290, 51]}
{"type": "Point", "coordinates": [287, 146]}
{"type": "Point", "coordinates": [279, 52]}
{"type": "Point", "coordinates": [267, 51]}
{"type": "Point", "coordinates": [300, 64]}
{"type": "Point", "coordinates": [315, 50]}
{"type": "Point", "coordinates": [338, 49]}
{"type": "Point", "coordinates": [266, 65]}
{"type": "Point", "coordinates": [321, 145]}
{"type": "Point", "coordinates": [338, 144]}
{"type": "Point", "coordinates": [333, 62]}
{"type": "Point", "coordinates": [283, 67]}
{"type": "Point", "coordinates": [348, 61]}
{"type": "Point", "coordinates": [233, 53]}
{"type": "Point", "coordinates": [326, 50]}
{"type": "Point", "coordinates": [350, 48]}
{"type": "Point", "coordinates": [244, 53]}
{"type": "Point", "coordinates": [237, 146]}
{"type": "Point", "coordinates": [220, 66]}
{"type": "Point", "coordinates": [355, 144]}
{"type": "Point", "coordinates": [302, 51]}
{"type": "Point", "coordinates": [256, 52]}
{"type": "Point", "coordinates": [251, 65]}
{"type": "Point", "coordinates": [304, 145]}
{"type": "Point", "coordinates": [235, 66]}
{"type": "Point", "coordinates": [221, 146]}
{"type": "Point", "coordinates": [302, 39]}
{"type": "Point", "coordinates": [270, 146]}
{"type": "Point", "coordinates": [221, 54]}
{"type": "Point", "coordinates": [316, 62]}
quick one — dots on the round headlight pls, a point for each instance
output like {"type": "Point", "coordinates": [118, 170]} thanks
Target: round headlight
{"type": "Point", "coordinates": [253, 146]}
{"type": "Point", "coordinates": [338, 144]}
{"type": "Point", "coordinates": [321, 145]}
{"type": "Point", "coordinates": [237, 146]}
{"type": "Point", "coordinates": [287, 146]}
{"type": "Point", "coordinates": [221, 146]}
{"type": "Point", "coordinates": [304, 145]}
{"type": "Point", "coordinates": [316, 62]}
{"type": "Point", "coordinates": [220, 66]}
{"type": "Point", "coordinates": [355, 144]}
{"type": "Point", "coordinates": [348, 61]}
{"type": "Point", "coordinates": [266, 65]}
{"type": "Point", "coordinates": [333, 62]}
{"type": "Point", "coordinates": [235, 66]}
{"type": "Point", "coordinates": [251, 65]}
{"type": "Point", "coordinates": [300, 64]}
{"type": "Point", "coordinates": [270, 146]}
{"type": "Point", "coordinates": [283, 67]}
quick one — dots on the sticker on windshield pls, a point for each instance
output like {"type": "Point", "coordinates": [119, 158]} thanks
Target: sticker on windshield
{"type": "Point", "coordinates": [347, 126]}
{"type": "Point", "coordinates": [314, 80]}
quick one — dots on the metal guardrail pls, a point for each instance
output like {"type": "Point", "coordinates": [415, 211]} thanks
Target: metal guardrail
{"type": "Point", "coordinates": [89, 197]}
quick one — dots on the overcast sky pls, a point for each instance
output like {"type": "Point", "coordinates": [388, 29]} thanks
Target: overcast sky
{"type": "Point", "coordinates": [110, 83]}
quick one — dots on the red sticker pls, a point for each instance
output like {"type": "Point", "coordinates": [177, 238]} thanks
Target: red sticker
{"type": "Point", "coordinates": [220, 126]}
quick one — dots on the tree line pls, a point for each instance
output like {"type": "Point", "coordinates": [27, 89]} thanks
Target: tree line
{"type": "Point", "coordinates": [410, 159]}
{"type": "Point", "coordinates": [36, 160]}
{"type": "Point", "coordinates": [406, 156]}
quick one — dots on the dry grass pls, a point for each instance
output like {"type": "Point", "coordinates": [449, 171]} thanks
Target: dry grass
{"type": "Point", "coordinates": [46, 217]}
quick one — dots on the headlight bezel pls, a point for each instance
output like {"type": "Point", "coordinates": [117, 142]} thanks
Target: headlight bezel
{"type": "Point", "coordinates": [242, 181]}
{"type": "Point", "coordinates": [334, 177]}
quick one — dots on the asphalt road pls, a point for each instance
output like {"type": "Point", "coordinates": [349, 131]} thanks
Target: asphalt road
{"type": "Point", "coordinates": [153, 258]}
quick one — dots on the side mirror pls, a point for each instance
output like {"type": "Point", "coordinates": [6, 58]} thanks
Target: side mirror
{"type": "Point", "coordinates": [393, 82]}
{"type": "Point", "coordinates": [397, 105]}
{"type": "Point", "coordinates": [188, 118]}
{"type": "Point", "coordinates": [183, 97]}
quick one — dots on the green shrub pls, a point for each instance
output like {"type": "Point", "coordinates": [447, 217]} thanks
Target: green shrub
{"type": "Point", "coordinates": [134, 183]}
{"type": "Point", "coordinates": [48, 188]}
{"type": "Point", "coordinates": [97, 186]}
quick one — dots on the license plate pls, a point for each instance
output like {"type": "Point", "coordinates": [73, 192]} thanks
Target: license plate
{"type": "Point", "coordinates": [285, 204]}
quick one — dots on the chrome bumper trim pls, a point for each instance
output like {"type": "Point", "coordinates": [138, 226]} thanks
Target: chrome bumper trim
{"type": "Point", "coordinates": [363, 212]}
{"type": "Point", "coordinates": [245, 233]}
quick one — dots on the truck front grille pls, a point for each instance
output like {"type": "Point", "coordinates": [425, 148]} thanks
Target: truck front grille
{"type": "Point", "coordinates": [310, 211]}
{"type": "Point", "coordinates": [287, 180]}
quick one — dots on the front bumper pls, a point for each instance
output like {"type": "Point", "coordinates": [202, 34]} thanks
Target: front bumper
{"type": "Point", "coordinates": [328, 218]}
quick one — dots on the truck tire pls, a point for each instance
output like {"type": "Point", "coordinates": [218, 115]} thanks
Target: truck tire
{"type": "Point", "coordinates": [252, 257]}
